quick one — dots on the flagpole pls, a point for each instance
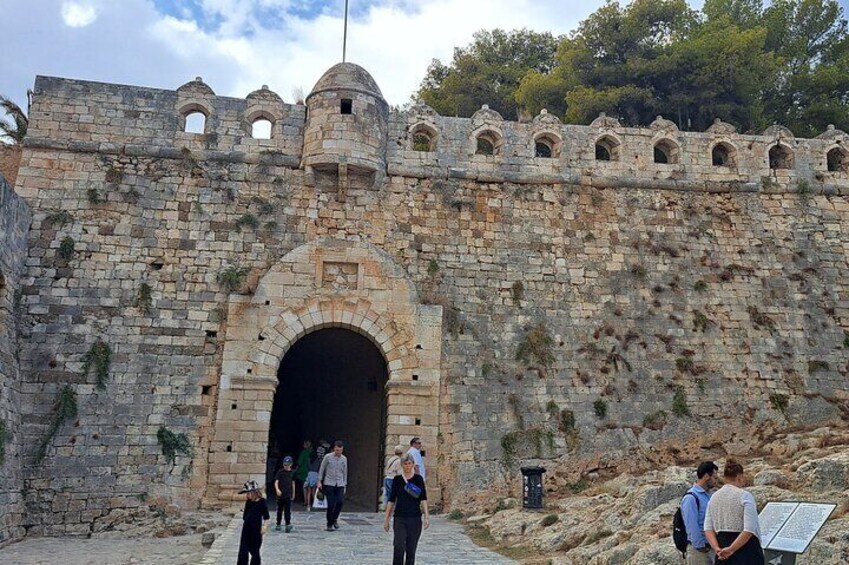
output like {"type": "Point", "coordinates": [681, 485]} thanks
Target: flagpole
{"type": "Point", "coordinates": [345, 33]}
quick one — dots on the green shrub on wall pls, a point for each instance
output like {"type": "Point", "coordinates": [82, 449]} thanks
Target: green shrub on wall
{"type": "Point", "coordinates": [65, 409]}
{"type": "Point", "coordinates": [99, 358]}
{"type": "Point", "coordinates": [4, 437]}
{"type": "Point", "coordinates": [173, 444]}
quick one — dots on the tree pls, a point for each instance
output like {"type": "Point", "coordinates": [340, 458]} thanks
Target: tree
{"type": "Point", "coordinates": [488, 71]}
{"type": "Point", "coordinates": [812, 88]}
{"type": "Point", "coordinates": [17, 130]}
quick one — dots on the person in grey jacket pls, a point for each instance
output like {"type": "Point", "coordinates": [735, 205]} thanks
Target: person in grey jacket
{"type": "Point", "coordinates": [332, 480]}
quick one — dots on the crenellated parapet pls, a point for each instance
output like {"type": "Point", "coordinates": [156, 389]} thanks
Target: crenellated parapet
{"type": "Point", "coordinates": [606, 154]}
{"type": "Point", "coordinates": [346, 130]}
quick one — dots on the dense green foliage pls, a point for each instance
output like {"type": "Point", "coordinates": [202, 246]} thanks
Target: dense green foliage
{"type": "Point", "coordinates": [749, 64]}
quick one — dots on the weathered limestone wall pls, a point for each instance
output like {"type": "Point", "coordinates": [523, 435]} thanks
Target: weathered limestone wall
{"type": "Point", "coordinates": [15, 220]}
{"type": "Point", "coordinates": [10, 160]}
{"type": "Point", "coordinates": [729, 297]}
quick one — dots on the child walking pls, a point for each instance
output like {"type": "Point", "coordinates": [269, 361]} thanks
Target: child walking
{"type": "Point", "coordinates": [255, 513]}
{"type": "Point", "coordinates": [284, 486]}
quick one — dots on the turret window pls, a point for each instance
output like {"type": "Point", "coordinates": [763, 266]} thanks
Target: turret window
{"type": "Point", "coordinates": [780, 157]}
{"type": "Point", "coordinates": [346, 106]}
{"type": "Point", "coordinates": [195, 122]}
{"type": "Point", "coordinates": [488, 143]}
{"type": "Point", "coordinates": [261, 129]}
{"type": "Point", "coordinates": [838, 160]}
{"type": "Point", "coordinates": [423, 137]}
{"type": "Point", "coordinates": [666, 152]}
{"type": "Point", "coordinates": [722, 155]}
{"type": "Point", "coordinates": [607, 149]}
{"type": "Point", "coordinates": [547, 146]}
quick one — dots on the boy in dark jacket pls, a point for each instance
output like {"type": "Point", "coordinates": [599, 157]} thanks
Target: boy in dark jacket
{"type": "Point", "coordinates": [255, 513]}
{"type": "Point", "coordinates": [284, 486]}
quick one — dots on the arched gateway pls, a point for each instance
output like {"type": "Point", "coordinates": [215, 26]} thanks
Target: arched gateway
{"type": "Point", "coordinates": [329, 303]}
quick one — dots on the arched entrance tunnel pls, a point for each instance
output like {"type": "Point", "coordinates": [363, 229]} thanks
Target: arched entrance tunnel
{"type": "Point", "coordinates": [331, 385]}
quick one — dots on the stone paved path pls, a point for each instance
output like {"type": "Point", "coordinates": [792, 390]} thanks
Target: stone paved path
{"type": "Point", "coordinates": [360, 540]}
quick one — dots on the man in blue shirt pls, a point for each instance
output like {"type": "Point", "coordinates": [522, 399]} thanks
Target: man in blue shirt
{"type": "Point", "coordinates": [693, 513]}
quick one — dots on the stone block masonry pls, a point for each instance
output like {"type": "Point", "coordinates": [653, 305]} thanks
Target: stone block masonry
{"type": "Point", "coordinates": [528, 307]}
{"type": "Point", "coordinates": [15, 218]}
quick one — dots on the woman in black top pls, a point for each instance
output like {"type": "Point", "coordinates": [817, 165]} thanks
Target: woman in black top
{"type": "Point", "coordinates": [408, 498]}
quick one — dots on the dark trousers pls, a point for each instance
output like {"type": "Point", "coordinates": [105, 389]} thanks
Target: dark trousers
{"type": "Point", "coordinates": [249, 546]}
{"type": "Point", "coordinates": [750, 554]}
{"type": "Point", "coordinates": [406, 540]}
{"type": "Point", "coordinates": [284, 505]}
{"type": "Point", "coordinates": [335, 500]}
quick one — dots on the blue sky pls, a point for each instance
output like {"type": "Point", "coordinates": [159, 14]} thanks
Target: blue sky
{"type": "Point", "coordinates": [239, 45]}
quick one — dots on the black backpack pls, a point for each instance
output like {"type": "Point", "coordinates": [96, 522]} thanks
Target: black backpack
{"type": "Point", "coordinates": [679, 530]}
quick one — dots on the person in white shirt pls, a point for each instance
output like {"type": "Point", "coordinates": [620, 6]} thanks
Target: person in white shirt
{"type": "Point", "coordinates": [731, 521]}
{"type": "Point", "coordinates": [415, 452]}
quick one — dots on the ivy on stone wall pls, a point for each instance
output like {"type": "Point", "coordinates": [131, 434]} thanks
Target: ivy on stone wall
{"type": "Point", "coordinates": [66, 248]}
{"type": "Point", "coordinates": [144, 299]}
{"type": "Point", "coordinates": [173, 444]}
{"type": "Point", "coordinates": [99, 357]}
{"type": "Point", "coordinates": [65, 410]}
{"type": "Point", "coordinates": [4, 437]}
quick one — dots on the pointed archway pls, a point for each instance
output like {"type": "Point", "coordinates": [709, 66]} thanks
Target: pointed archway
{"type": "Point", "coordinates": [332, 386]}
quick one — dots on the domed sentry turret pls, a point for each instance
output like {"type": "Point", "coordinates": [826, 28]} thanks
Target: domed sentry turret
{"type": "Point", "coordinates": [346, 124]}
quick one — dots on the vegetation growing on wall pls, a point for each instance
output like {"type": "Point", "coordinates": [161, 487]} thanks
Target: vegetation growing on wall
{"type": "Point", "coordinates": [535, 348]}
{"type": "Point", "coordinates": [66, 248]}
{"type": "Point", "coordinates": [65, 409]}
{"type": "Point", "coordinates": [144, 298]}
{"type": "Point", "coordinates": [173, 444]}
{"type": "Point", "coordinates": [233, 277]}
{"type": "Point", "coordinates": [4, 438]}
{"type": "Point", "coordinates": [98, 357]}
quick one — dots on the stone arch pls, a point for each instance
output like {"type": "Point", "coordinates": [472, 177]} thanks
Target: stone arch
{"type": "Point", "coordinates": [780, 156]}
{"type": "Point", "coordinates": [547, 144]}
{"type": "Point", "coordinates": [323, 284]}
{"type": "Point", "coordinates": [723, 154]}
{"type": "Point", "coordinates": [258, 114]}
{"type": "Point", "coordinates": [423, 137]}
{"type": "Point", "coordinates": [487, 141]}
{"type": "Point", "coordinates": [666, 152]}
{"type": "Point", "coordinates": [837, 160]}
{"type": "Point", "coordinates": [194, 107]}
{"type": "Point", "coordinates": [607, 148]}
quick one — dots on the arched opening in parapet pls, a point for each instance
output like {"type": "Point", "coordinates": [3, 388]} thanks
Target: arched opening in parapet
{"type": "Point", "coordinates": [261, 128]}
{"type": "Point", "coordinates": [723, 155]}
{"type": "Point", "coordinates": [194, 121]}
{"type": "Point", "coordinates": [607, 149]}
{"type": "Point", "coordinates": [331, 386]}
{"type": "Point", "coordinates": [837, 160]}
{"type": "Point", "coordinates": [547, 146]}
{"type": "Point", "coordinates": [423, 138]}
{"type": "Point", "coordinates": [780, 157]}
{"type": "Point", "coordinates": [488, 142]}
{"type": "Point", "coordinates": [666, 152]}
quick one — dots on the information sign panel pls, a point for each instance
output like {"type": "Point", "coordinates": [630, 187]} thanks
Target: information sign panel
{"type": "Point", "coordinates": [791, 526]}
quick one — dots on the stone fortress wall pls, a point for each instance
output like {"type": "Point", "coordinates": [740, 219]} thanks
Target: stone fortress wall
{"type": "Point", "coordinates": [15, 218]}
{"type": "Point", "coordinates": [589, 307]}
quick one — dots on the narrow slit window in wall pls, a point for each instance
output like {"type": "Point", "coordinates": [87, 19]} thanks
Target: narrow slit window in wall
{"type": "Point", "coordinates": [346, 106]}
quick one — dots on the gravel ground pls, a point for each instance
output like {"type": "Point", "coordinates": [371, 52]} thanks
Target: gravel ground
{"type": "Point", "coordinates": [181, 550]}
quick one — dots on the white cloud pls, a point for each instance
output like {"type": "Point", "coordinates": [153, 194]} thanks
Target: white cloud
{"type": "Point", "coordinates": [238, 45]}
{"type": "Point", "coordinates": [78, 14]}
